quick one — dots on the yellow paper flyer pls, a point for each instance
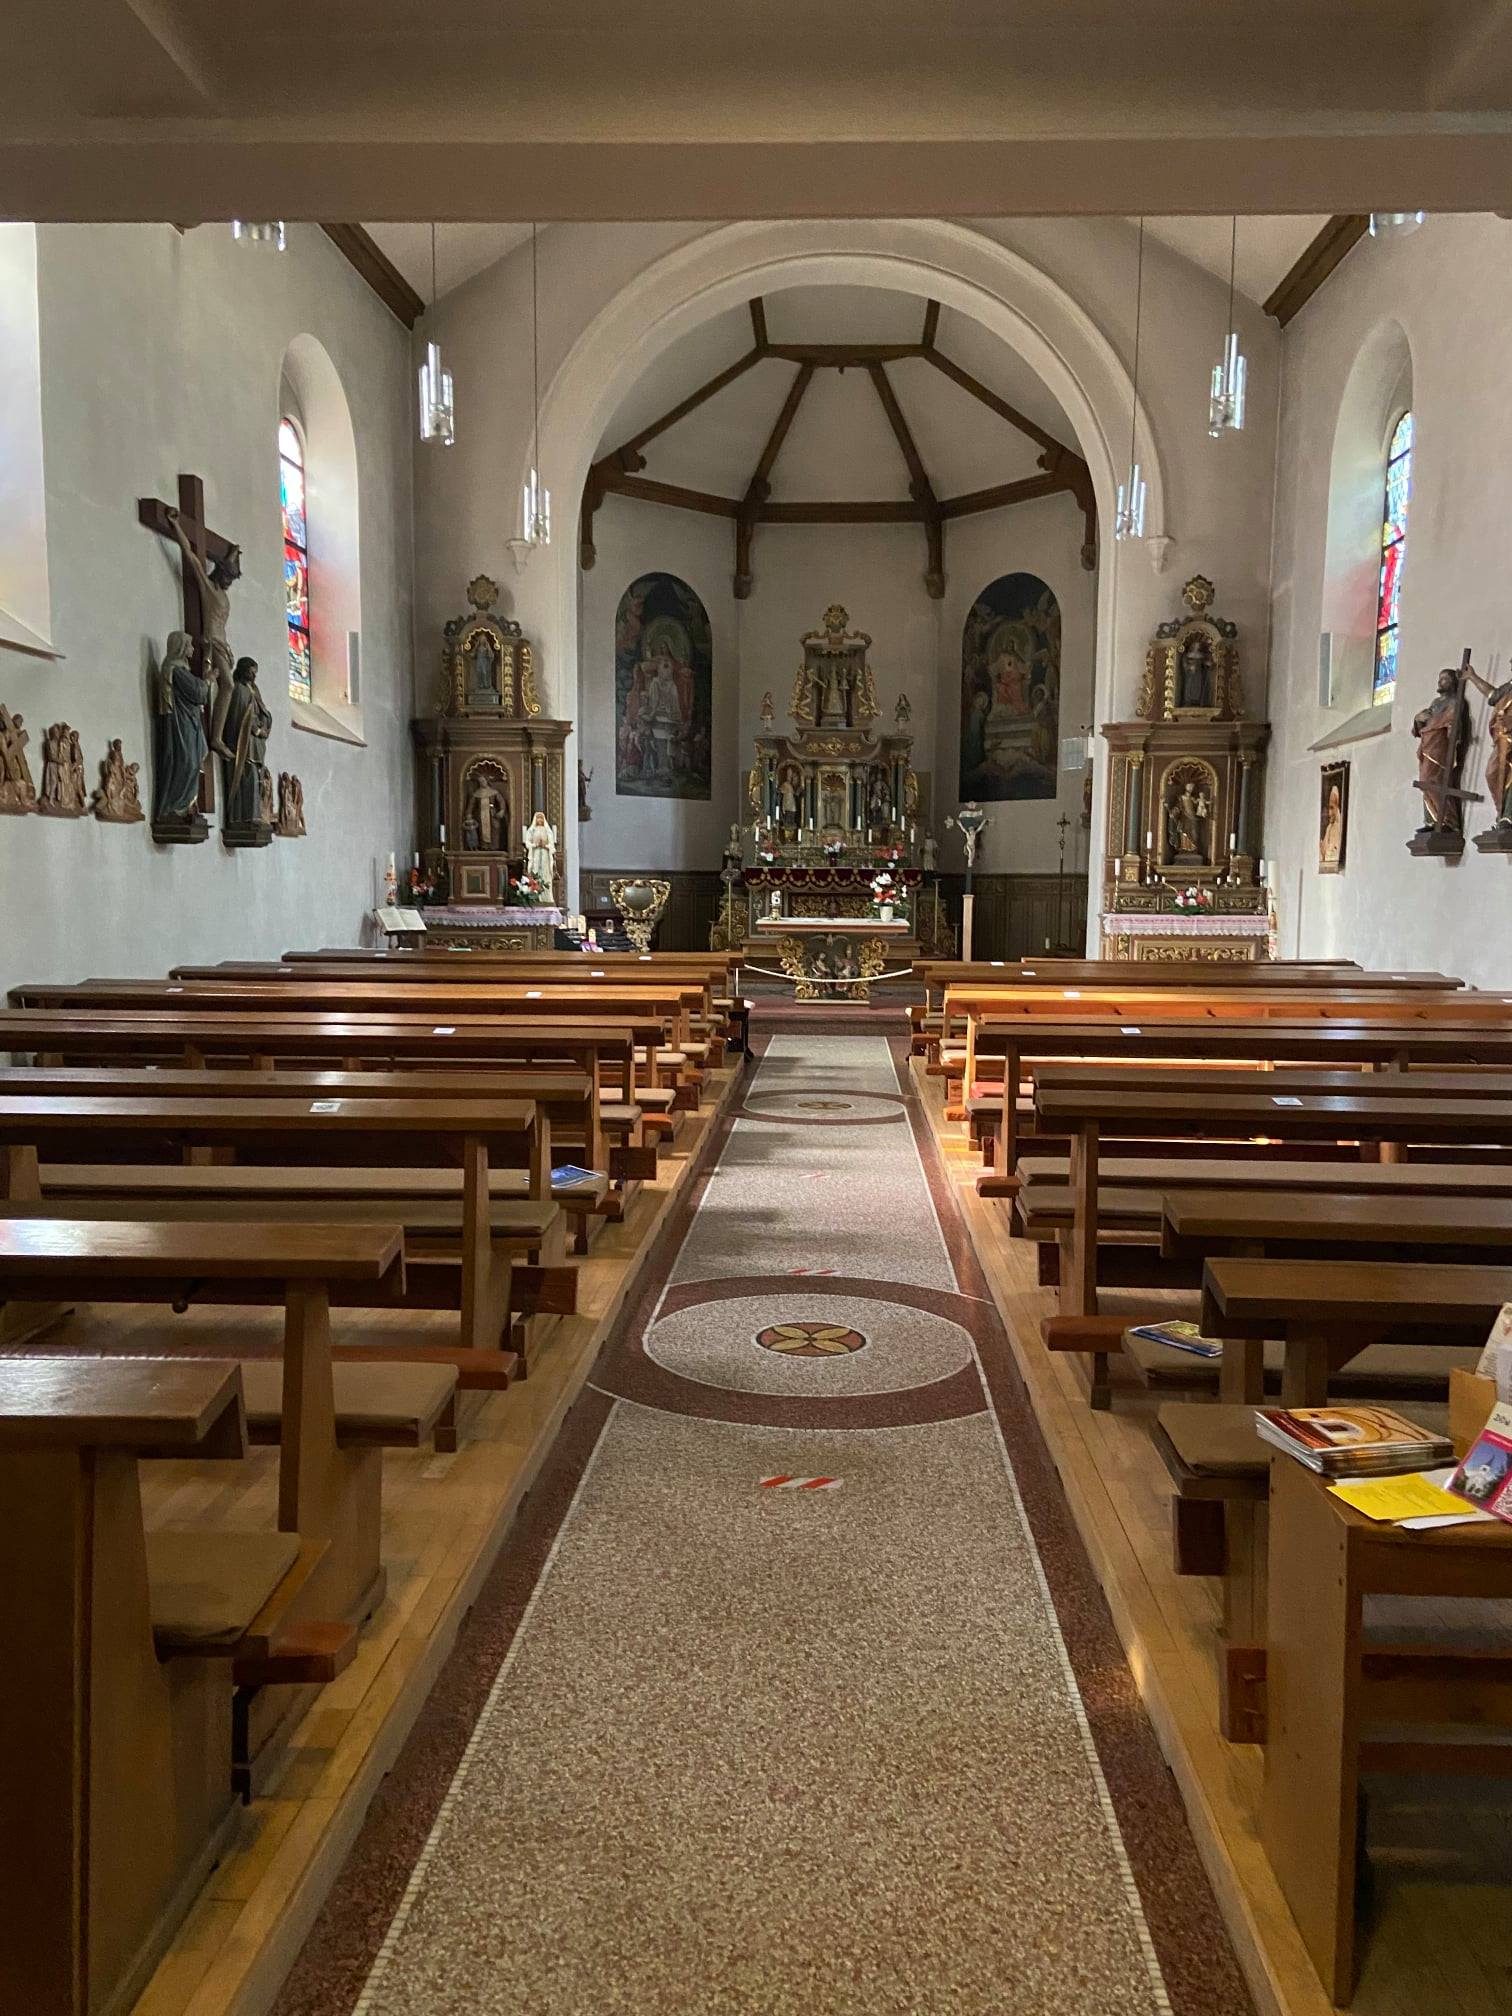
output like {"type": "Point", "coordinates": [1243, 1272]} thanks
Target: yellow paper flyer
{"type": "Point", "coordinates": [1394, 1498]}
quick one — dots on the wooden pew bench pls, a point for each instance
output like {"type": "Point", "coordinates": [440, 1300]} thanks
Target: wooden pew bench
{"type": "Point", "coordinates": [479, 1280]}
{"type": "Point", "coordinates": [117, 1674]}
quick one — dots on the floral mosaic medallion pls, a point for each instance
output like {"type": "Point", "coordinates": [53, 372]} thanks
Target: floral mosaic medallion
{"type": "Point", "coordinates": [810, 1340]}
{"type": "Point", "coordinates": [824, 1105]}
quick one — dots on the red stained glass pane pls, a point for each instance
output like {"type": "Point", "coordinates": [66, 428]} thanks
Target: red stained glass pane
{"type": "Point", "coordinates": [300, 684]}
{"type": "Point", "coordinates": [296, 588]}
{"type": "Point", "coordinates": [1391, 585]}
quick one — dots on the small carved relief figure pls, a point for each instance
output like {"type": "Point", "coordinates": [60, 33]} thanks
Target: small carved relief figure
{"type": "Point", "coordinates": [17, 791]}
{"type": "Point", "coordinates": [64, 793]}
{"type": "Point", "coordinates": [179, 742]}
{"type": "Point", "coordinates": [787, 798]}
{"type": "Point", "coordinates": [248, 724]}
{"type": "Point", "coordinates": [929, 854]}
{"type": "Point", "coordinates": [291, 818]}
{"type": "Point", "coordinates": [1498, 744]}
{"type": "Point", "coordinates": [117, 800]}
{"type": "Point", "coordinates": [470, 839]}
{"type": "Point", "coordinates": [903, 712]}
{"type": "Point", "coordinates": [269, 811]}
{"type": "Point", "coordinates": [1442, 729]}
{"type": "Point", "coordinates": [485, 657]}
{"type": "Point", "coordinates": [585, 778]}
{"type": "Point", "coordinates": [768, 712]}
{"type": "Point", "coordinates": [878, 800]}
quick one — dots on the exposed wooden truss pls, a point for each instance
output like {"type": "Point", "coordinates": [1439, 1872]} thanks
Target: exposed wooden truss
{"type": "Point", "coordinates": [1296, 288]}
{"type": "Point", "coordinates": [618, 473]}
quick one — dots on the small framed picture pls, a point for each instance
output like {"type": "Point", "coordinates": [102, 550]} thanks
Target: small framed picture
{"type": "Point", "coordinates": [1333, 817]}
{"type": "Point", "coordinates": [475, 881]}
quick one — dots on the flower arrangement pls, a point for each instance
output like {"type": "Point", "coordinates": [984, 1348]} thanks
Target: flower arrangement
{"type": "Point", "coordinates": [529, 891]}
{"type": "Point", "coordinates": [1194, 897]}
{"type": "Point", "coordinates": [421, 887]}
{"type": "Point", "coordinates": [766, 857]}
{"type": "Point", "coordinates": [887, 898]}
{"type": "Point", "coordinates": [833, 849]}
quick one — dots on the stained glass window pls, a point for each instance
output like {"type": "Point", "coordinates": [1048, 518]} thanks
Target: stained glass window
{"type": "Point", "coordinates": [1393, 556]}
{"type": "Point", "coordinates": [291, 488]}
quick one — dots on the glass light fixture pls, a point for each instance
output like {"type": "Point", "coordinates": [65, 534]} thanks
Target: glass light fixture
{"type": "Point", "coordinates": [1129, 514]}
{"type": "Point", "coordinates": [1395, 223]}
{"type": "Point", "coordinates": [1226, 394]}
{"type": "Point", "coordinates": [437, 406]}
{"type": "Point", "coordinates": [535, 499]}
{"type": "Point", "coordinates": [260, 234]}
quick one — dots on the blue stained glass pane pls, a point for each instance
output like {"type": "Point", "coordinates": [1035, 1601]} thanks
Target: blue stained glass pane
{"type": "Point", "coordinates": [1391, 585]}
{"type": "Point", "coordinates": [300, 685]}
{"type": "Point", "coordinates": [1385, 666]}
{"type": "Point", "coordinates": [1401, 438]}
{"type": "Point", "coordinates": [296, 594]}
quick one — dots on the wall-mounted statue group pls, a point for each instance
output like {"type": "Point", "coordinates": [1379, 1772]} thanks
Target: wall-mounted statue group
{"type": "Point", "coordinates": [206, 702]}
{"type": "Point", "coordinates": [65, 793]}
{"type": "Point", "coordinates": [1010, 691]}
{"type": "Point", "coordinates": [663, 691]}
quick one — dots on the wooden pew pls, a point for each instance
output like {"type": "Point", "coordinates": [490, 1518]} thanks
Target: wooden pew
{"type": "Point", "coordinates": [1330, 1045]}
{"type": "Point", "coordinates": [1132, 1005]}
{"type": "Point", "coordinates": [568, 1100]}
{"type": "Point", "coordinates": [605, 1049]}
{"type": "Point", "coordinates": [1119, 1107]}
{"type": "Point", "coordinates": [1325, 1311]}
{"type": "Point", "coordinates": [425, 1132]}
{"type": "Point", "coordinates": [116, 1672]}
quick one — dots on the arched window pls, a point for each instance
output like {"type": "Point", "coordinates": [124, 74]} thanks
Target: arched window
{"type": "Point", "coordinates": [296, 532]}
{"type": "Point", "coordinates": [1393, 557]}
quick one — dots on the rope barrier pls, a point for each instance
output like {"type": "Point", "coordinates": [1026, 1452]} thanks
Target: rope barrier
{"type": "Point", "coordinates": [813, 979]}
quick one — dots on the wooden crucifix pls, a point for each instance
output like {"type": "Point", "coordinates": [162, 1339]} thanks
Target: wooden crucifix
{"type": "Point", "coordinates": [211, 565]}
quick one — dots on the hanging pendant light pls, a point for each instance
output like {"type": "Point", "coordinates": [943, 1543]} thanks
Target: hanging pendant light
{"type": "Point", "coordinates": [1226, 397]}
{"type": "Point", "coordinates": [535, 501]}
{"type": "Point", "coordinates": [1395, 223]}
{"type": "Point", "coordinates": [437, 412]}
{"type": "Point", "coordinates": [1129, 515]}
{"type": "Point", "coordinates": [260, 234]}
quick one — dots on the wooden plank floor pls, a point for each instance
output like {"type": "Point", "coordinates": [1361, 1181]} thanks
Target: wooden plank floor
{"type": "Point", "coordinates": [1439, 1939]}
{"type": "Point", "coordinates": [445, 1519]}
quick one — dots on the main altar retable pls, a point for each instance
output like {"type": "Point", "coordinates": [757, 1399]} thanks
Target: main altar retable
{"type": "Point", "coordinates": [832, 896]}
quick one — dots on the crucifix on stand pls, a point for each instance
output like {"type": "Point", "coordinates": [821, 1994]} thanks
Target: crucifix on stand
{"type": "Point", "coordinates": [212, 564]}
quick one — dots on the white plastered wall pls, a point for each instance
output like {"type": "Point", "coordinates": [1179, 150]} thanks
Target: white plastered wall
{"type": "Point", "coordinates": [1447, 289]}
{"type": "Point", "coordinates": [162, 352]}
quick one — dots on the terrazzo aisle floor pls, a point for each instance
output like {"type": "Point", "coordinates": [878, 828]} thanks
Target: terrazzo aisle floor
{"type": "Point", "coordinates": [794, 1692]}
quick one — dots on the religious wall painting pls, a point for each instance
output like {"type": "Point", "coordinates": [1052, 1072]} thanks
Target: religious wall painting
{"type": "Point", "coordinates": [1333, 818]}
{"type": "Point", "coordinates": [663, 691]}
{"type": "Point", "coordinates": [1010, 691]}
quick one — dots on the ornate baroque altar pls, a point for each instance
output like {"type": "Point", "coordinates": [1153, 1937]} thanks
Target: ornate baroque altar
{"type": "Point", "coordinates": [1185, 790]}
{"type": "Point", "coordinates": [833, 805]}
{"type": "Point", "coordinates": [487, 762]}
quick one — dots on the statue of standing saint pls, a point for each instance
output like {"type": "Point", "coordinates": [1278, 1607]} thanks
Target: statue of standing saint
{"type": "Point", "coordinates": [540, 851]}
{"type": "Point", "coordinates": [1498, 744]}
{"type": "Point", "coordinates": [179, 742]}
{"type": "Point", "coordinates": [1442, 729]}
{"type": "Point", "coordinates": [248, 787]}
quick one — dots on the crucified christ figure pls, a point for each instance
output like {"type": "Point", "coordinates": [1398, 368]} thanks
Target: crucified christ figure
{"type": "Point", "coordinates": [215, 600]}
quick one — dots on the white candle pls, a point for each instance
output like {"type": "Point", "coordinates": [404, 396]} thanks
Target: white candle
{"type": "Point", "coordinates": [1233, 843]}
{"type": "Point", "coordinates": [1149, 839]}
{"type": "Point", "coordinates": [443, 833]}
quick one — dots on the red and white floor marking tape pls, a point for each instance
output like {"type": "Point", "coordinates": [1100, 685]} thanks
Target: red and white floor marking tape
{"type": "Point", "coordinates": [786, 1483]}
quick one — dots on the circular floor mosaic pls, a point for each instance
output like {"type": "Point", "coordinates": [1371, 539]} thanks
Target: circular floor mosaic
{"type": "Point", "coordinates": [816, 1107]}
{"type": "Point", "coordinates": [810, 1340]}
{"type": "Point", "coordinates": [752, 1344]}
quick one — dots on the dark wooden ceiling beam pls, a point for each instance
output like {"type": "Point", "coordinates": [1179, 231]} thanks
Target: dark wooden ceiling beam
{"type": "Point", "coordinates": [878, 512]}
{"type": "Point", "coordinates": [628, 455]}
{"type": "Point", "coordinates": [931, 323]}
{"type": "Point", "coordinates": [1322, 257]}
{"type": "Point", "coordinates": [617, 483]}
{"type": "Point", "coordinates": [758, 322]}
{"type": "Point", "coordinates": [363, 253]}
{"type": "Point", "coordinates": [920, 487]}
{"type": "Point", "coordinates": [1024, 491]}
{"type": "Point", "coordinates": [759, 489]}
{"type": "Point", "coordinates": [957, 376]}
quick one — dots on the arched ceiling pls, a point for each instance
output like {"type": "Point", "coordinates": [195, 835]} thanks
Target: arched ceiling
{"type": "Point", "coordinates": [831, 404]}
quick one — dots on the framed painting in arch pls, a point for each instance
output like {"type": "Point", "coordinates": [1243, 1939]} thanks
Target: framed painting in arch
{"type": "Point", "coordinates": [663, 691]}
{"type": "Point", "coordinates": [1010, 691]}
{"type": "Point", "coordinates": [1333, 817]}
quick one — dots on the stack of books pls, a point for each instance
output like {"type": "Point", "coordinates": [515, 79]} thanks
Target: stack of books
{"type": "Point", "coordinates": [1352, 1441]}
